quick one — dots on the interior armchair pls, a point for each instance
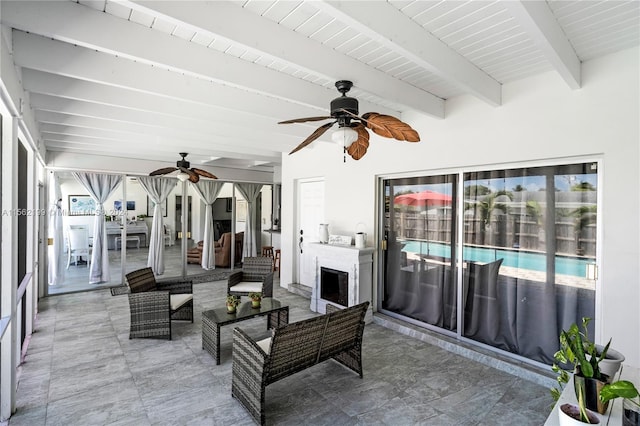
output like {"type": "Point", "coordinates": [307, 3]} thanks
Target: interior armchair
{"type": "Point", "coordinates": [78, 244]}
{"type": "Point", "coordinates": [256, 276]}
{"type": "Point", "coordinates": [223, 249]}
{"type": "Point", "coordinates": [153, 304]}
{"type": "Point", "coordinates": [194, 255]}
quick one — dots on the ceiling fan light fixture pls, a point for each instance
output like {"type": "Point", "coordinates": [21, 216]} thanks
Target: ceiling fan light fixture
{"type": "Point", "coordinates": [344, 136]}
{"type": "Point", "coordinates": [182, 176]}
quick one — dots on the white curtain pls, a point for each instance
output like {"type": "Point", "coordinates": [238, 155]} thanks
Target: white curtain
{"type": "Point", "coordinates": [158, 189]}
{"type": "Point", "coordinates": [56, 232]}
{"type": "Point", "coordinates": [208, 191]}
{"type": "Point", "coordinates": [100, 187]}
{"type": "Point", "coordinates": [250, 192]}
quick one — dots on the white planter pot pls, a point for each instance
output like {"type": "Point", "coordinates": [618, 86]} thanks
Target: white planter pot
{"type": "Point", "coordinates": [611, 364]}
{"type": "Point", "coordinates": [566, 420]}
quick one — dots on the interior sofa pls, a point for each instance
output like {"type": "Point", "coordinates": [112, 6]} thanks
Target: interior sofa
{"type": "Point", "coordinates": [222, 250]}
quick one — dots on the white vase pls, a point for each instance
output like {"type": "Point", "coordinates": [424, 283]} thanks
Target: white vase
{"type": "Point", "coordinates": [565, 419]}
{"type": "Point", "coordinates": [611, 364]}
{"type": "Point", "coordinates": [323, 233]}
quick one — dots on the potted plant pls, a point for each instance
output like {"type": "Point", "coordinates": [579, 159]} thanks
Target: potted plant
{"type": "Point", "coordinates": [255, 299]}
{"type": "Point", "coordinates": [583, 359]}
{"type": "Point", "coordinates": [631, 403]}
{"type": "Point", "coordinates": [232, 303]}
{"type": "Point", "coordinates": [611, 363]}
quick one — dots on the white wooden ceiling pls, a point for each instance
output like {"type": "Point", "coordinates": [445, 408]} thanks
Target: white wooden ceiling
{"type": "Point", "coordinates": [149, 79]}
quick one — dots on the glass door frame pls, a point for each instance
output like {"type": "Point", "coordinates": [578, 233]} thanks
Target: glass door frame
{"type": "Point", "coordinates": [459, 242]}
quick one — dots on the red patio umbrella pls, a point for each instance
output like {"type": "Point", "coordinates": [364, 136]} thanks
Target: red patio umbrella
{"type": "Point", "coordinates": [423, 198]}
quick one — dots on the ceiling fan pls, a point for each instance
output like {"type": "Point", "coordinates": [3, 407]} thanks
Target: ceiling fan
{"type": "Point", "coordinates": [193, 174]}
{"type": "Point", "coordinates": [352, 129]}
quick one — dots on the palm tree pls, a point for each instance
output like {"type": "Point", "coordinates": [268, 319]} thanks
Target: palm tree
{"type": "Point", "coordinates": [584, 215]}
{"type": "Point", "coordinates": [487, 206]}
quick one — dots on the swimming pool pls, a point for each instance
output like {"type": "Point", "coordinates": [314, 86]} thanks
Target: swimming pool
{"type": "Point", "coordinates": [516, 259]}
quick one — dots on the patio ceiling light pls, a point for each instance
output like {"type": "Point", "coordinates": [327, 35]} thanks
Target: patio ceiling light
{"type": "Point", "coordinates": [344, 136]}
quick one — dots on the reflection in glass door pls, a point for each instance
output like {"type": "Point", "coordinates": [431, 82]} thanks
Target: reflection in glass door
{"type": "Point", "coordinates": [529, 247]}
{"type": "Point", "coordinates": [528, 254]}
{"type": "Point", "coordinates": [419, 230]}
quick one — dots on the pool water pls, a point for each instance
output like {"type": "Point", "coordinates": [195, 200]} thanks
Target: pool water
{"type": "Point", "coordinates": [516, 259]}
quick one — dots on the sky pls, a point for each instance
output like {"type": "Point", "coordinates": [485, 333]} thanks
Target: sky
{"type": "Point", "coordinates": [530, 183]}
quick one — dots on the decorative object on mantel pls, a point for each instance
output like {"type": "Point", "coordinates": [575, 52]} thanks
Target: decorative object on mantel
{"type": "Point", "coordinates": [361, 236]}
{"type": "Point", "coordinates": [186, 173]}
{"type": "Point", "coordinates": [354, 136]}
{"type": "Point", "coordinates": [340, 240]}
{"type": "Point", "coordinates": [323, 233]}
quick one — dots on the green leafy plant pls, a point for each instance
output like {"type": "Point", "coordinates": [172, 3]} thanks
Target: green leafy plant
{"type": "Point", "coordinates": [620, 389]}
{"type": "Point", "coordinates": [233, 300]}
{"type": "Point", "coordinates": [578, 355]}
{"type": "Point", "coordinates": [255, 296]}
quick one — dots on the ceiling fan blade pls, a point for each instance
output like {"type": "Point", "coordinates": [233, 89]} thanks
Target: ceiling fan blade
{"type": "Point", "coordinates": [358, 149]}
{"type": "Point", "coordinates": [313, 136]}
{"type": "Point", "coordinates": [163, 171]}
{"type": "Point", "coordinates": [203, 173]}
{"type": "Point", "coordinates": [302, 120]}
{"type": "Point", "coordinates": [390, 127]}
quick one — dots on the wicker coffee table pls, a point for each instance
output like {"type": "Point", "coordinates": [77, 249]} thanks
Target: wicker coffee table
{"type": "Point", "coordinates": [214, 319]}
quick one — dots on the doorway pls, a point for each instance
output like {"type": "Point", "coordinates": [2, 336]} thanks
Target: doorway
{"type": "Point", "coordinates": [310, 216]}
{"type": "Point", "coordinates": [178, 219]}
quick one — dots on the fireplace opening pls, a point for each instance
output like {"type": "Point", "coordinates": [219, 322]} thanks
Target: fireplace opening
{"type": "Point", "coordinates": [334, 286]}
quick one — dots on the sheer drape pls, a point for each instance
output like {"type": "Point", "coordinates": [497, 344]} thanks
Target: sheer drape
{"type": "Point", "coordinates": [208, 192]}
{"type": "Point", "coordinates": [56, 231]}
{"type": "Point", "coordinates": [99, 187]}
{"type": "Point", "coordinates": [250, 192]}
{"type": "Point", "coordinates": [158, 189]}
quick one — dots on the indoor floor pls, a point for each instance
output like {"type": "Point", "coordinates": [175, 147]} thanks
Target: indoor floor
{"type": "Point", "coordinates": [76, 277]}
{"type": "Point", "coordinates": [82, 369]}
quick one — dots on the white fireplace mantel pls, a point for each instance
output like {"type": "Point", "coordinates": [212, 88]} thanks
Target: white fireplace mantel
{"type": "Point", "coordinates": [358, 263]}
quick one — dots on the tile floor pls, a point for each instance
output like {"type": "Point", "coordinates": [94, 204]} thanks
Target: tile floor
{"type": "Point", "coordinates": [82, 369]}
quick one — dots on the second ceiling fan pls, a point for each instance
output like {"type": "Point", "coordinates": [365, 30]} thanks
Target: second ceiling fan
{"type": "Point", "coordinates": [186, 171]}
{"type": "Point", "coordinates": [352, 128]}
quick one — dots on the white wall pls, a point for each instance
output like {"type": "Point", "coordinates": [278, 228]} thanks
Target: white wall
{"type": "Point", "coordinates": [540, 119]}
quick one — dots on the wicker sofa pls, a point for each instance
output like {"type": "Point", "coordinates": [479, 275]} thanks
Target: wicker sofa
{"type": "Point", "coordinates": [293, 348]}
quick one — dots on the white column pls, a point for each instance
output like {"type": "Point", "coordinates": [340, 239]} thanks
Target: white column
{"type": "Point", "coordinates": [9, 259]}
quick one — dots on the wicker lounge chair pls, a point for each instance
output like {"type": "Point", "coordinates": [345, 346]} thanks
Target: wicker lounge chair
{"type": "Point", "coordinates": [293, 348]}
{"type": "Point", "coordinates": [153, 304]}
{"type": "Point", "coordinates": [256, 276]}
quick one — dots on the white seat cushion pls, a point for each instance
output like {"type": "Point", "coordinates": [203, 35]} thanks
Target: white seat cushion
{"type": "Point", "coordinates": [178, 300]}
{"type": "Point", "coordinates": [265, 345]}
{"type": "Point", "coordinates": [247, 287]}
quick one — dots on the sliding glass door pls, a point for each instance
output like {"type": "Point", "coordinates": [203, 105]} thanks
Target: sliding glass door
{"type": "Point", "coordinates": [419, 229]}
{"type": "Point", "coordinates": [526, 268]}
